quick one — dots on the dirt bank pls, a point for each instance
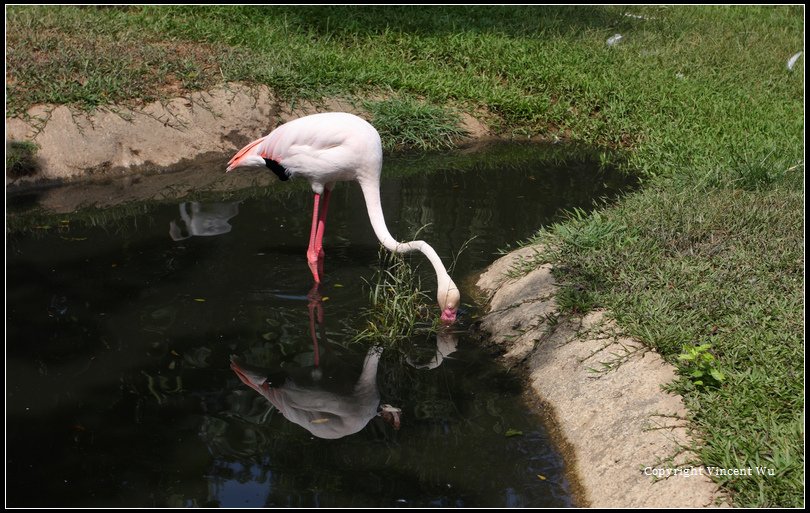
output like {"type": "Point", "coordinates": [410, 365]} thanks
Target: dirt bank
{"type": "Point", "coordinates": [621, 431]}
{"type": "Point", "coordinates": [162, 135]}
{"type": "Point", "coordinates": [162, 151]}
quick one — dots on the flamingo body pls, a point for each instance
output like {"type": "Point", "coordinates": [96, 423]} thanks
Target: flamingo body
{"type": "Point", "coordinates": [324, 413]}
{"type": "Point", "coordinates": [333, 147]}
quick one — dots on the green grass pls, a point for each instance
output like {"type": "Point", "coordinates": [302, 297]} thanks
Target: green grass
{"type": "Point", "coordinates": [398, 307]}
{"type": "Point", "coordinates": [683, 267]}
{"type": "Point", "coordinates": [21, 158]}
{"type": "Point", "coordinates": [698, 98]}
{"type": "Point", "coordinates": [409, 124]}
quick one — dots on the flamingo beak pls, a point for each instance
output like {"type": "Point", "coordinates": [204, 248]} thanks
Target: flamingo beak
{"type": "Point", "coordinates": [250, 379]}
{"type": "Point", "coordinates": [448, 316]}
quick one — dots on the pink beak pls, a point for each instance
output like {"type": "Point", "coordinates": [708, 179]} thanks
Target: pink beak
{"type": "Point", "coordinates": [257, 384]}
{"type": "Point", "coordinates": [448, 316]}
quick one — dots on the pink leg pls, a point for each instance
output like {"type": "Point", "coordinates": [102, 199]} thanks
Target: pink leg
{"type": "Point", "coordinates": [312, 252]}
{"type": "Point", "coordinates": [321, 229]}
{"type": "Point", "coordinates": [315, 313]}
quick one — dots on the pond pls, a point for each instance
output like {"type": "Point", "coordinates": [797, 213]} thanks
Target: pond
{"type": "Point", "coordinates": [121, 390]}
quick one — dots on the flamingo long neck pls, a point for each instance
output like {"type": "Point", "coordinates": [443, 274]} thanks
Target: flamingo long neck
{"type": "Point", "coordinates": [368, 378]}
{"type": "Point", "coordinates": [371, 192]}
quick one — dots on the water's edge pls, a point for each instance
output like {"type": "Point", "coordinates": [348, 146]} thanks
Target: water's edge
{"type": "Point", "coordinates": [618, 430]}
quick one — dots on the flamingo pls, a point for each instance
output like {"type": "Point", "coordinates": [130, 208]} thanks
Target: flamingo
{"type": "Point", "coordinates": [206, 219]}
{"type": "Point", "coordinates": [324, 407]}
{"type": "Point", "coordinates": [322, 412]}
{"type": "Point", "coordinates": [332, 147]}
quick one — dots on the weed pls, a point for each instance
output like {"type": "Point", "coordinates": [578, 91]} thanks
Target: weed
{"type": "Point", "coordinates": [698, 365]}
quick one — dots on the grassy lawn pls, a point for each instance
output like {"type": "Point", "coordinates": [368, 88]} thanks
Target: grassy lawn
{"type": "Point", "coordinates": [709, 251]}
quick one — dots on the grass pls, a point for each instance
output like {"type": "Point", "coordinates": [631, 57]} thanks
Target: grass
{"type": "Point", "coordinates": [399, 308]}
{"type": "Point", "coordinates": [720, 266]}
{"type": "Point", "coordinates": [21, 158]}
{"type": "Point", "coordinates": [409, 124]}
{"type": "Point", "coordinates": [697, 98]}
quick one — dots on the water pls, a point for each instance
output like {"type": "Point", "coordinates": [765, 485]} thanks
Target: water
{"type": "Point", "coordinates": [119, 339]}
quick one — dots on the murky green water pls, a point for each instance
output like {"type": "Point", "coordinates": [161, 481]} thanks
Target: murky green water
{"type": "Point", "coordinates": [119, 337]}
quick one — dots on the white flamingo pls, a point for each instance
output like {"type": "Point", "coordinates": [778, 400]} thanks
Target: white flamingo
{"type": "Point", "coordinates": [328, 148]}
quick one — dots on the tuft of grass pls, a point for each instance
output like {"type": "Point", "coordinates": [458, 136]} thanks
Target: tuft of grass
{"type": "Point", "coordinates": [585, 230]}
{"type": "Point", "coordinates": [399, 309]}
{"type": "Point", "coordinates": [575, 299]}
{"type": "Point", "coordinates": [406, 124]}
{"type": "Point", "coordinates": [21, 159]}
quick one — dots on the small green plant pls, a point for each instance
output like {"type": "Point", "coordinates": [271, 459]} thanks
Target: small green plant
{"type": "Point", "coordinates": [697, 364]}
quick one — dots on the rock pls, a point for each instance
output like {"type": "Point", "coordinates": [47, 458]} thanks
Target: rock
{"type": "Point", "coordinates": [622, 431]}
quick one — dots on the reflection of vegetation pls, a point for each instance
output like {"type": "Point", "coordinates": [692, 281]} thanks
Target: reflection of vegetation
{"type": "Point", "coordinates": [493, 159]}
{"type": "Point", "coordinates": [119, 217]}
{"type": "Point", "coordinates": [499, 155]}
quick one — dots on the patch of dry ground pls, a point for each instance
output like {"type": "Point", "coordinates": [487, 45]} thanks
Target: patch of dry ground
{"type": "Point", "coordinates": [118, 141]}
{"type": "Point", "coordinates": [604, 391]}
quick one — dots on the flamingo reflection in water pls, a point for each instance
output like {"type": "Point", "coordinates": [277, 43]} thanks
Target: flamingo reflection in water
{"type": "Point", "coordinates": [324, 408]}
{"type": "Point", "coordinates": [203, 219]}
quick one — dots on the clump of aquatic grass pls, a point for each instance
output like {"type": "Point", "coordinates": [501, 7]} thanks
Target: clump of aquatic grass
{"type": "Point", "coordinates": [410, 124]}
{"type": "Point", "coordinates": [399, 308]}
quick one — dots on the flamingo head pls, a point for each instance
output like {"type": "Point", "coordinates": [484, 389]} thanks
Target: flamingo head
{"type": "Point", "coordinates": [449, 299]}
{"type": "Point", "coordinates": [251, 155]}
{"type": "Point", "coordinates": [246, 161]}
{"type": "Point", "coordinates": [390, 414]}
{"type": "Point", "coordinates": [249, 375]}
